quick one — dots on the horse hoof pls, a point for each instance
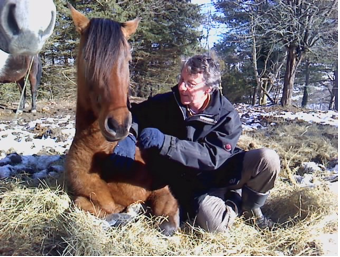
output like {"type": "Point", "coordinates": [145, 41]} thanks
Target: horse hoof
{"type": "Point", "coordinates": [33, 111]}
{"type": "Point", "coordinates": [19, 112]}
{"type": "Point", "coordinates": [135, 209]}
{"type": "Point", "coordinates": [167, 229]}
{"type": "Point", "coordinates": [118, 219]}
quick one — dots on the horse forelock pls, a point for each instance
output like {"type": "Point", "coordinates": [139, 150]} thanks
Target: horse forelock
{"type": "Point", "coordinates": [105, 42]}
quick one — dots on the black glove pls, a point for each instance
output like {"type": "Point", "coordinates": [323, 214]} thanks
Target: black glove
{"type": "Point", "coordinates": [151, 138]}
{"type": "Point", "coordinates": [123, 154]}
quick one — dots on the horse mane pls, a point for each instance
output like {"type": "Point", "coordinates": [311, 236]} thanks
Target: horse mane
{"type": "Point", "coordinates": [104, 43]}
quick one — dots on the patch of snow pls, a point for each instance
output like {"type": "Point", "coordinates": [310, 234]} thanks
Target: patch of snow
{"type": "Point", "coordinates": [325, 118]}
{"type": "Point", "coordinates": [250, 117]}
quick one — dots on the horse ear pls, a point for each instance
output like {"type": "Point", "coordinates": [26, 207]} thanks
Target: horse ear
{"type": "Point", "coordinates": [79, 19]}
{"type": "Point", "coordinates": [130, 27]}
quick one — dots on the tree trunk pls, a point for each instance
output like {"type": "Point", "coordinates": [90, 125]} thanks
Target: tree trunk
{"type": "Point", "coordinates": [266, 94]}
{"type": "Point", "coordinates": [263, 100]}
{"type": "Point", "coordinates": [254, 60]}
{"type": "Point", "coordinates": [335, 90]}
{"type": "Point", "coordinates": [333, 104]}
{"type": "Point", "coordinates": [305, 89]}
{"type": "Point", "coordinates": [256, 91]}
{"type": "Point", "coordinates": [292, 62]}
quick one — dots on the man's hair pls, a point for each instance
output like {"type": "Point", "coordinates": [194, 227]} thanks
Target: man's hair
{"type": "Point", "coordinates": [207, 66]}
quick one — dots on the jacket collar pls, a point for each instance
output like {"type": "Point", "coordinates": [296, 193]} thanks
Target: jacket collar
{"type": "Point", "coordinates": [210, 115]}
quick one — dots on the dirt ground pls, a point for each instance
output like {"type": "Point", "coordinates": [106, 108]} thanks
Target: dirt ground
{"type": "Point", "coordinates": [45, 109]}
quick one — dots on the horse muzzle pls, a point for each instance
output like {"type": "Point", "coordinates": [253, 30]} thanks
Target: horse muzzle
{"type": "Point", "coordinates": [115, 129]}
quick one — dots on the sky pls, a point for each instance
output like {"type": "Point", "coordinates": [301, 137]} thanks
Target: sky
{"type": "Point", "coordinates": [213, 32]}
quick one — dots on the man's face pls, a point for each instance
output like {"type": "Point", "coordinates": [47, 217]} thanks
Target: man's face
{"type": "Point", "coordinates": [192, 88]}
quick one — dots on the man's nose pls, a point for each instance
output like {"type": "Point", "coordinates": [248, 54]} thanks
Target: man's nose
{"type": "Point", "coordinates": [182, 85]}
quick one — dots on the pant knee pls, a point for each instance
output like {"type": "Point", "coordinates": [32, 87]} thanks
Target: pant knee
{"type": "Point", "coordinates": [262, 167]}
{"type": "Point", "coordinates": [272, 160]}
{"type": "Point", "coordinates": [213, 215]}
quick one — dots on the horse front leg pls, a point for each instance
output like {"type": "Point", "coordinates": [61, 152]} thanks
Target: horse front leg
{"type": "Point", "coordinates": [91, 192]}
{"type": "Point", "coordinates": [35, 79]}
{"type": "Point", "coordinates": [22, 90]}
{"type": "Point", "coordinates": [164, 204]}
{"type": "Point", "coordinates": [34, 87]}
{"type": "Point", "coordinates": [94, 197]}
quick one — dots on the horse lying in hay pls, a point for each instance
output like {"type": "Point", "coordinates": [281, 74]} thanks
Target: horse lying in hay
{"type": "Point", "coordinates": [25, 25]}
{"type": "Point", "coordinates": [102, 119]}
{"type": "Point", "coordinates": [15, 68]}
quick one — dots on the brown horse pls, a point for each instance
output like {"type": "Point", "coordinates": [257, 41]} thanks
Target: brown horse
{"type": "Point", "coordinates": [102, 119]}
{"type": "Point", "coordinates": [13, 68]}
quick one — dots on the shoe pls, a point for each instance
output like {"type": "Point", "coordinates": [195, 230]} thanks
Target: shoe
{"type": "Point", "coordinates": [252, 202]}
{"type": "Point", "coordinates": [233, 199]}
{"type": "Point", "coordinates": [256, 217]}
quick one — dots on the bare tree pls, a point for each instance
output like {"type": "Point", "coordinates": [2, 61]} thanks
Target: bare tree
{"type": "Point", "coordinates": [299, 25]}
{"type": "Point", "coordinates": [272, 25]}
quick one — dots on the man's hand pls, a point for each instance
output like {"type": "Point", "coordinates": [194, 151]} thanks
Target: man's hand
{"type": "Point", "coordinates": [123, 154]}
{"type": "Point", "coordinates": [151, 138]}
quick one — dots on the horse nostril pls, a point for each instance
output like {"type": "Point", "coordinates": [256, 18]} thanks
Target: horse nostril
{"type": "Point", "coordinates": [116, 129]}
{"type": "Point", "coordinates": [112, 124]}
{"type": "Point", "coordinates": [11, 20]}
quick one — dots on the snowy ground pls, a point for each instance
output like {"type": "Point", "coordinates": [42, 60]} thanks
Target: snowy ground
{"type": "Point", "coordinates": [37, 147]}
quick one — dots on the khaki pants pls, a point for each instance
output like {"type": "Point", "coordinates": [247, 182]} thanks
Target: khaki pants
{"type": "Point", "coordinates": [260, 170]}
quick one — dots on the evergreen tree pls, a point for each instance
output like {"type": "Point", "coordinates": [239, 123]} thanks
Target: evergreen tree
{"type": "Point", "coordinates": [168, 30]}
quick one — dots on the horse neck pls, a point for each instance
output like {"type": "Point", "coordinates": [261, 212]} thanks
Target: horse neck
{"type": "Point", "coordinates": [85, 117]}
{"type": "Point", "coordinates": [88, 132]}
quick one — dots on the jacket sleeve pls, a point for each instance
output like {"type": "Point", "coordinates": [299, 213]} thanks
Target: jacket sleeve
{"type": "Point", "coordinates": [211, 151]}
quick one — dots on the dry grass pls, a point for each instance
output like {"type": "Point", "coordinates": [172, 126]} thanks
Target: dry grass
{"type": "Point", "coordinates": [296, 142]}
{"type": "Point", "coordinates": [42, 221]}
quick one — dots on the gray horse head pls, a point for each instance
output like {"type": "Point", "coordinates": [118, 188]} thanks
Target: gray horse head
{"type": "Point", "coordinates": [25, 25]}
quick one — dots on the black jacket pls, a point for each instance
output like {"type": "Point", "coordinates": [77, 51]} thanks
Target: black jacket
{"type": "Point", "coordinates": [203, 141]}
{"type": "Point", "coordinates": [196, 152]}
